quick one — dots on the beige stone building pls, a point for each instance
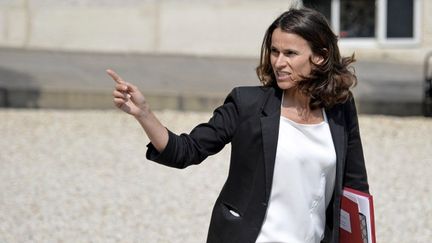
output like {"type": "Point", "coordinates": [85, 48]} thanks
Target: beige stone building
{"type": "Point", "coordinates": [395, 30]}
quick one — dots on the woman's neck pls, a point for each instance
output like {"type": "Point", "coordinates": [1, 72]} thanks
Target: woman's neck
{"type": "Point", "coordinates": [295, 99]}
{"type": "Point", "coordinates": [295, 106]}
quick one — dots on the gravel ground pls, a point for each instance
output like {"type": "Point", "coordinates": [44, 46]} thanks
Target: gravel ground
{"type": "Point", "coordinates": [82, 176]}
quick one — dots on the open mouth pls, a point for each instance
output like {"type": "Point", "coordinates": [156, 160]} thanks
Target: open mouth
{"type": "Point", "coordinates": [282, 75]}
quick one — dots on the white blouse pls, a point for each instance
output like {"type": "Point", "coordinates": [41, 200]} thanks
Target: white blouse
{"type": "Point", "coordinates": [303, 183]}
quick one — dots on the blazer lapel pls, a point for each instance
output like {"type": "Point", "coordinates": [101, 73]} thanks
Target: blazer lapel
{"type": "Point", "coordinates": [336, 122]}
{"type": "Point", "coordinates": [270, 131]}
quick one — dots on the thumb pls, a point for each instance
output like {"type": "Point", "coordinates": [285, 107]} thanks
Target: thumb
{"type": "Point", "coordinates": [135, 93]}
{"type": "Point", "coordinates": [131, 88]}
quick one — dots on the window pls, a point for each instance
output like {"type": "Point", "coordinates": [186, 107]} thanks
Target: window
{"type": "Point", "coordinates": [372, 21]}
{"type": "Point", "coordinates": [322, 6]}
{"type": "Point", "coordinates": [357, 18]}
{"type": "Point", "coordinates": [400, 19]}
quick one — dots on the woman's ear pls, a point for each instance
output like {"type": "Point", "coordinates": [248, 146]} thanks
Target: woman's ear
{"type": "Point", "coordinates": [317, 60]}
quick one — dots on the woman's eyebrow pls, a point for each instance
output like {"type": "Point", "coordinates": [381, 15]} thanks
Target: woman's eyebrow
{"type": "Point", "coordinates": [284, 50]}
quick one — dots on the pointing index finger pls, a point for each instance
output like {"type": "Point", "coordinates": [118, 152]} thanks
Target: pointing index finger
{"type": "Point", "coordinates": [115, 76]}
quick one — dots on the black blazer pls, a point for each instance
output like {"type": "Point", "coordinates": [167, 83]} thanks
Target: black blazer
{"type": "Point", "coordinates": [249, 120]}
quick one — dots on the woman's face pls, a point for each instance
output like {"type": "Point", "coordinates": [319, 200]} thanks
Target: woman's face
{"type": "Point", "coordinates": [289, 58]}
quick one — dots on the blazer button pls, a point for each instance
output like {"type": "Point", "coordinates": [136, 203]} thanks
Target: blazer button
{"type": "Point", "coordinates": [264, 204]}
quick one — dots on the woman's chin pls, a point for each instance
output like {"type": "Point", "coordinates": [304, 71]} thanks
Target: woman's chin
{"type": "Point", "coordinates": [285, 84]}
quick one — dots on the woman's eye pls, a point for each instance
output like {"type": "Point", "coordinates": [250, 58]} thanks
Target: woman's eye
{"type": "Point", "coordinates": [290, 53]}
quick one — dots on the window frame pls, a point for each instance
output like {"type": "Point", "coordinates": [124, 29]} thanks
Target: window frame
{"type": "Point", "coordinates": [382, 24]}
{"type": "Point", "coordinates": [380, 39]}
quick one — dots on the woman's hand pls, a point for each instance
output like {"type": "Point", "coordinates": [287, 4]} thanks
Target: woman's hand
{"type": "Point", "coordinates": [127, 97]}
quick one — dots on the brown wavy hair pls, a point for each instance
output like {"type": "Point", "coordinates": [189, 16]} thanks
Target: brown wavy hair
{"type": "Point", "coordinates": [330, 81]}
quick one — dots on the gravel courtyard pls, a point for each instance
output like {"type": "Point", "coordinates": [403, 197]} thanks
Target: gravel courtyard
{"type": "Point", "coordinates": [82, 176]}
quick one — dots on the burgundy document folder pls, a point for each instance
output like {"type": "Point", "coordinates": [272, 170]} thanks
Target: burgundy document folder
{"type": "Point", "coordinates": [357, 224]}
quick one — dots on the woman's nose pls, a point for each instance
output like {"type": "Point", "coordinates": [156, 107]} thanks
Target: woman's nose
{"type": "Point", "coordinates": [280, 61]}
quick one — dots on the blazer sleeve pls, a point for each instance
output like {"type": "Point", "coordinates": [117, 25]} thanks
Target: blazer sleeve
{"type": "Point", "coordinates": [204, 140]}
{"type": "Point", "coordinates": [355, 175]}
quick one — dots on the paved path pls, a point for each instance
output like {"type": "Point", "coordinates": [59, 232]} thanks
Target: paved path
{"type": "Point", "coordinates": [81, 176]}
{"type": "Point", "coordinates": [48, 79]}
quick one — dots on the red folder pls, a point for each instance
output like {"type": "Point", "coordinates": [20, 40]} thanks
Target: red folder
{"type": "Point", "coordinates": [357, 224]}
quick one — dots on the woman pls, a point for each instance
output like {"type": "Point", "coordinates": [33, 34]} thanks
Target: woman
{"type": "Point", "coordinates": [295, 139]}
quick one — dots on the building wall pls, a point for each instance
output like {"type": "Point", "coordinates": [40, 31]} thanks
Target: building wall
{"type": "Point", "coordinates": [192, 27]}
